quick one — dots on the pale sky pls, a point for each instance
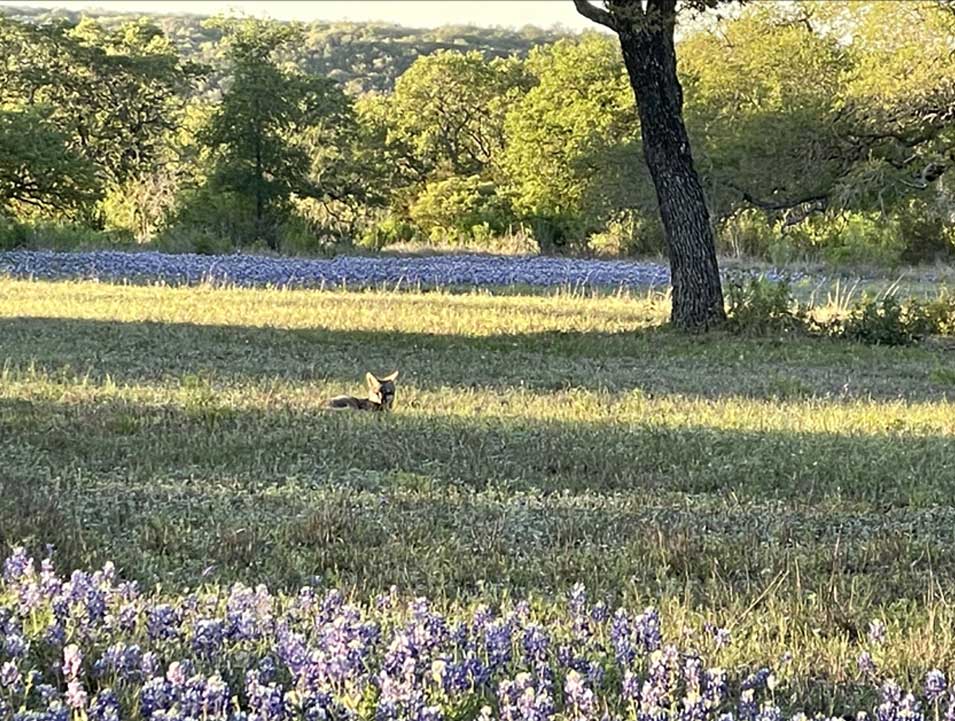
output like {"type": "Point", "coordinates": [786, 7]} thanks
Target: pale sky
{"type": "Point", "coordinates": [412, 13]}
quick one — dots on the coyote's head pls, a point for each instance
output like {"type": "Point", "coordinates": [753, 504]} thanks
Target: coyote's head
{"type": "Point", "coordinates": [382, 390]}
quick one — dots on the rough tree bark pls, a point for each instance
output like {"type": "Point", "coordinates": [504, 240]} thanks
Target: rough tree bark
{"type": "Point", "coordinates": [645, 29]}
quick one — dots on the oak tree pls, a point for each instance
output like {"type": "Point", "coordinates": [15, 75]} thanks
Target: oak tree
{"type": "Point", "coordinates": [645, 29]}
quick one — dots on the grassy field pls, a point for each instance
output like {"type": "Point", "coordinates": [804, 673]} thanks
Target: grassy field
{"type": "Point", "coordinates": [791, 490]}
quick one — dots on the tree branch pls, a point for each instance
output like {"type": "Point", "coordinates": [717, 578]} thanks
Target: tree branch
{"type": "Point", "coordinates": [596, 14]}
{"type": "Point", "coordinates": [778, 205]}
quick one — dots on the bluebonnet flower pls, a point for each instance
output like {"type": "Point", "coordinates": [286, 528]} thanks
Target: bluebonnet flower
{"type": "Point", "coordinates": [866, 663]}
{"type": "Point", "coordinates": [76, 695]}
{"type": "Point", "coordinates": [715, 687]}
{"type": "Point", "coordinates": [325, 659]}
{"type": "Point", "coordinates": [55, 634]}
{"type": "Point", "coordinates": [599, 612]}
{"type": "Point", "coordinates": [950, 708]}
{"type": "Point", "coordinates": [891, 693]}
{"type": "Point", "coordinates": [18, 566]}
{"type": "Point", "coordinates": [149, 664]}
{"type": "Point", "coordinates": [721, 636]}
{"type": "Point", "coordinates": [14, 645]}
{"type": "Point", "coordinates": [104, 707]}
{"type": "Point", "coordinates": [577, 598]}
{"type": "Point", "coordinates": [9, 675]}
{"type": "Point", "coordinates": [520, 700]}
{"type": "Point", "coordinates": [536, 642]}
{"type": "Point", "coordinates": [896, 705]}
{"type": "Point", "coordinates": [769, 712]}
{"type": "Point", "coordinates": [579, 697]}
{"type": "Point", "coordinates": [155, 695]}
{"type": "Point", "coordinates": [120, 659]}
{"type": "Point", "coordinates": [162, 622]}
{"type": "Point", "coordinates": [935, 684]}
{"type": "Point", "coordinates": [648, 630]}
{"type": "Point", "coordinates": [248, 613]}
{"type": "Point", "coordinates": [498, 643]}
{"type": "Point", "coordinates": [876, 631]}
{"type": "Point", "coordinates": [207, 636]}
{"type": "Point", "coordinates": [127, 617]}
{"type": "Point", "coordinates": [179, 672]}
{"type": "Point", "coordinates": [72, 661]}
{"type": "Point", "coordinates": [266, 668]}
{"type": "Point", "coordinates": [215, 696]}
{"type": "Point", "coordinates": [387, 601]}
{"type": "Point", "coordinates": [250, 270]}
{"type": "Point", "coordinates": [758, 680]}
{"type": "Point", "coordinates": [622, 637]}
{"type": "Point", "coordinates": [630, 686]}
{"type": "Point", "coordinates": [747, 710]}
{"type": "Point", "coordinates": [266, 699]}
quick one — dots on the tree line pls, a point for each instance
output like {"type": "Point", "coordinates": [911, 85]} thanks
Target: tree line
{"type": "Point", "coordinates": [815, 133]}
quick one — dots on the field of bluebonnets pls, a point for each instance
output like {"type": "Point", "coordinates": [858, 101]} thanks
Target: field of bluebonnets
{"type": "Point", "coordinates": [607, 519]}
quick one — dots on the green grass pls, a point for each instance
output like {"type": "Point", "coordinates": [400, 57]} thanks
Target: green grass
{"type": "Point", "coordinates": [790, 488]}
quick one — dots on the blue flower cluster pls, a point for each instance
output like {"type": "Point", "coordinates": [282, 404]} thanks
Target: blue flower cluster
{"type": "Point", "coordinates": [94, 647]}
{"type": "Point", "coordinates": [251, 270]}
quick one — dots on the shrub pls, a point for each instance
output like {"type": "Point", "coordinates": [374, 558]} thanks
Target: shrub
{"type": "Point", "coordinates": [223, 216]}
{"type": "Point", "coordinates": [849, 238]}
{"type": "Point", "coordinates": [556, 233]}
{"type": "Point", "coordinates": [889, 321]}
{"type": "Point", "coordinates": [628, 233]}
{"type": "Point", "coordinates": [192, 239]}
{"type": "Point", "coordinates": [927, 230]}
{"type": "Point", "coordinates": [759, 306]}
{"type": "Point", "coordinates": [449, 210]}
{"type": "Point", "coordinates": [57, 236]}
{"type": "Point", "coordinates": [13, 234]}
{"type": "Point", "coordinates": [143, 206]}
{"type": "Point", "coordinates": [387, 231]}
{"type": "Point", "coordinates": [747, 233]}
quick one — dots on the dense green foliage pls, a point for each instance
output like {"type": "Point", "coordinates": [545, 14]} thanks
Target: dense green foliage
{"type": "Point", "coordinates": [759, 307]}
{"type": "Point", "coordinates": [817, 133]}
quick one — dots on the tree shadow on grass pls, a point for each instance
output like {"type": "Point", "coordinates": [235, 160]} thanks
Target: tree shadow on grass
{"type": "Point", "coordinates": [652, 360]}
{"type": "Point", "coordinates": [123, 440]}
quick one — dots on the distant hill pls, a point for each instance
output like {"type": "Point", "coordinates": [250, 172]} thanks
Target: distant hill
{"type": "Point", "coordinates": [363, 57]}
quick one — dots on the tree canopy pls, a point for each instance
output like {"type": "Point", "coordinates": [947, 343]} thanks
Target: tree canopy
{"type": "Point", "coordinates": [815, 133]}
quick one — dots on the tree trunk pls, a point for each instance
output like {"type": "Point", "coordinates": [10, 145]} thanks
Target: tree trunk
{"type": "Point", "coordinates": [650, 59]}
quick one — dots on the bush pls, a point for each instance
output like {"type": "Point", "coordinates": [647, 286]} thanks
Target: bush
{"type": "Point", "coordinates": [758, 306]}
{"type": "Point", "coordinates": [221, 217]}
{"type": "Point", "coordinates": [848, 238]}
{"type": "Point", "coordinates": [887, 321]}
{"type": "Point", "coordinates": [747, 234]}
{"type": "Point", "coordinates": [13, 234]}
{"type": "Point", "coordinates": [142, 207]}
{"type": "Point", "coordinates": [928, 232]}
{"type": "Point", "coordinates": [57, 236]}
{"type": "Point", "coordinates": [387, 231]}
{"type": "Point", "coordinates": [556, 233]}
{"type": "Point", "coordinates": [628, 233]}
{"type": "Point", "coordinates": [190, 239]}
{"type": "Point", "coordinates": [840, 239]}
{"type": "Point", "coordinates": [449, 210]}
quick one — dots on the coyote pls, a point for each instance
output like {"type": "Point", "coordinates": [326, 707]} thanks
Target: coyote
{"type": "Point", "coordinates": [381, 396]}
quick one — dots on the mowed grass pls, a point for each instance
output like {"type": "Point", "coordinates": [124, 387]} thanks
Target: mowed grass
{"type": "Point", "coordinates": [791, 489]}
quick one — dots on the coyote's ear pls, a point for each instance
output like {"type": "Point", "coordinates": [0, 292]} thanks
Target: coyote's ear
{"type": "Point", "coordinates": [393, 377]}
{"type": "Point", "coordinates": [372, 382]}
